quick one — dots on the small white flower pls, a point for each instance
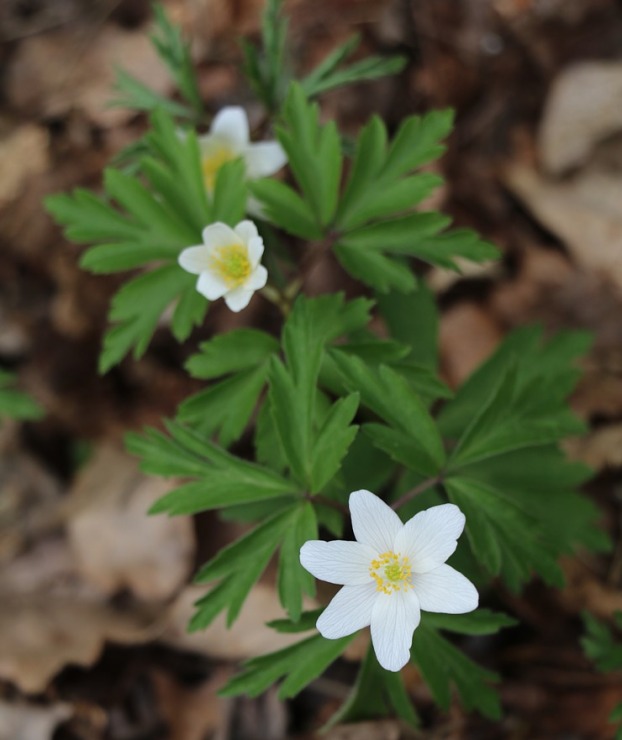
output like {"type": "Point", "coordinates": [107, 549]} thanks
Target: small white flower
{"type": "Point", "coordinates": [229, 139]}
{"type": "Point", "coordinates": [389, 574]}
{"type": "Point", "coordinates": [227, 263]}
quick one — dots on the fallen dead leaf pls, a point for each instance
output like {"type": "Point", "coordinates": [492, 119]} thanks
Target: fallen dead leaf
{"type": "Point", "coordinates": [116, 544]}
{"type": "Point", "coordinates": [53, 73]}
{"type": "Point", "coordinates": [584, 591]}
{"type": "Point", "coordinates": [50, 618]}
{"type": "Point", "coordinates": [441, 279]}
{"type": "Point", "coordinates": [23, 154]}
{"type": "Point", "coordinates": [582, 109]}
{"type": "Point", "coordinates": [193, 712]}
{"type": "Point", "coordinates": [599, 394]}
{"type": "Point", "coordinates": [31, 722]}
{"type": "Point", "coordinates": [601, 449]}
{"type": "Point", "coordinates": [387, 729]}
{"type": "Point", "coordinates": [30, 501]}
{"type": "Point", "coordinates": [541, 277]}
{"type": "Point", "coordinates": [583, 212]}
{"type": "Point", "coordinates": [214, 18]}
{"type": "Point", "coordinates": [468, 335]}
{"type": "Point", "coordinates": [41, 633]}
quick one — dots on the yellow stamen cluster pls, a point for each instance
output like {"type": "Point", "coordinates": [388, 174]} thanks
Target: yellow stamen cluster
{"type": "Point", "coordinates": [391, 572]}
{"type": "Point", "coordinates": [212, 161]}
{"type": "Point", "coordinates": [231, 264]}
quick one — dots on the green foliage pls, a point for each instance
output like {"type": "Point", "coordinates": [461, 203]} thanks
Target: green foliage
{"type": "Point", "coordinates": [375, 694]}
{"type": "Point", "coordinates": [299, 664]}
{"type": "Point", "coordinates": [331, 73]}
{"type": "Point", "coordinates": [314, 155]}
{"type": "Point", "coordinates": [505, 473]}
{"type": "Point", "coordinates": [409, 434]}
{"type": "Point", "coordinates": [375, 223]}
{"type": "Point", "coordinates": [601, 645]}
{"type": "Point", "coordinates": [443, 665]}
{"type": "Point", "coordinates": [175, 53]}
{"type": "Point", "coordinates": [15, 404]}
{"type": "Point", "coordinates": [222, 478]}
{"type": "Point", "coordinates": [148, 220]}
{"type": "Point", "coordinates": [293, 578]}
{"type": "Point", "coordinates": [267, 68]}
{"type": "Point", "coordinates": [343, 394]}
{"type": "Point", "coordinates": [243, 356]}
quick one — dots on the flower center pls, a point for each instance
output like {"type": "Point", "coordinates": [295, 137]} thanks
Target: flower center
{"type": "Point", "coordinates": [391, 572]}
{"type": "Point", "coordinates": [212, 160]}
{"type": "Point", "coordinates": [231, 264]}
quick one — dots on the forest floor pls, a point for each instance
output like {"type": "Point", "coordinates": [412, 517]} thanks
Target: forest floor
{"type": "Point", "coordinates": [94, 595]}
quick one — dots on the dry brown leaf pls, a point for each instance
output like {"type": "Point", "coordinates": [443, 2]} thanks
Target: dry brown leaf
{"type": "Point", "coordinates": [468, 336]}
{"type": "Point", "coordinates": [583, 108]}
{"type": "Point", "coordinates": [31, 722]}
{"type": "Point", "coordinates": [248, 636]}
{"type": "Point", "coordinates": [585, 591]}
{"type": "Point", "coordinates": [386, 729]}
{"type": "Point", "coordinates": [441, 279]}
{"type": "Point", "coordinates": [599, 393]}
{"type": "Point", "coordinates": [30, 500]}
{"type": "Point", "coordinates": [23, 154]}
{"type": "Point", "coordinates": [583, 212]}
{"type": "Point", "coordinates": [537, 291]}
{"type": "Point", "coordinates": [53, 73]}
{"type": "Point", "coordinates": [601, 449]}
{"type": "Point", "coordinates": [193, 712]}
{"type": "Point", "coordinates": [214, 18]}
{"type": "Point", "coordinates": [41, 633]}
{"type": "Point", "coordinates": [117, 545]}
{"type": "Point", "coordinates": [49, 618]}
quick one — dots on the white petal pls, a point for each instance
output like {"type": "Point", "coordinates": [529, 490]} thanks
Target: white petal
{"type": "Point", "coordinates": [194, 259]}
{"type": "Point", "coordinates": [338, 561]}
{"type": "Point", "coordinates": [445, 590]}
{"type": "Point", "coordinates": [255, 250]}
{"type": "Point", "coordinates": [393, 620]}
{"type": "Point", "coordinates": [210, 145]}
{"type": "Point", "coordinates": [220, 235]}
{"type": "Point", "coordinates": [210, 286]}
{"type": "Point", "coordinates": [430, 537]}
{"type": "Point", "coordinates": [349, 611]}
{"type": "Point", "coordinates": [263, 159]}
{"type": "Point", "coordinates": [238, 298]}
{"type": "Point", "coordinates": [246, 230]}
{"type": "Point", "coordinates": [257, 279]}
{"type": "Point", "coordinates": [231, 124]}
{"type": "Point", "coordinates": [374, 523]}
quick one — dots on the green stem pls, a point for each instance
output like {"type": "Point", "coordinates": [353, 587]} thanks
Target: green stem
{"type": "Point", "coordinates": [279, 298]}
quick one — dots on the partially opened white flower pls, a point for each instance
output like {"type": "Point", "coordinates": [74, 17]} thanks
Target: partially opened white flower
{"type": "Point", "coordinates": [389, 574]}
{"type": "Point", "coordinates": [229, 139]}
{"type": "Point", "coordinates": [227, 263]}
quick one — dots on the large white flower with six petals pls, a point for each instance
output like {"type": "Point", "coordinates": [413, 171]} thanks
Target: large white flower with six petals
{"type": "Point", "coordinates": [227, 263]}
{"type": "Point", "coordinates": [389, 574]}
{"type": "Point", "coordinates": [229, 139]}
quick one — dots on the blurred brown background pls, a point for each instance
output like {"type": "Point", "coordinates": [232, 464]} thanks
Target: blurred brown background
{"type": "Point", "coordinates": [94, 595]}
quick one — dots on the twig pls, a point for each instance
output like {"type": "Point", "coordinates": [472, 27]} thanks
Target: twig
{"type": "Point", "coordinates": [324, 501]}
{"type": "Point", "coordinates": [421, 488]}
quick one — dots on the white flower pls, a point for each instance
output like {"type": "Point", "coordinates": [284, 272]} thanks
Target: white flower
{"type": "Point", "coordinates": [229, 139]}
{"type": "Point", "coordinates": [227, 263]}
{"type": "Point", "coordinates": [389, 574]}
